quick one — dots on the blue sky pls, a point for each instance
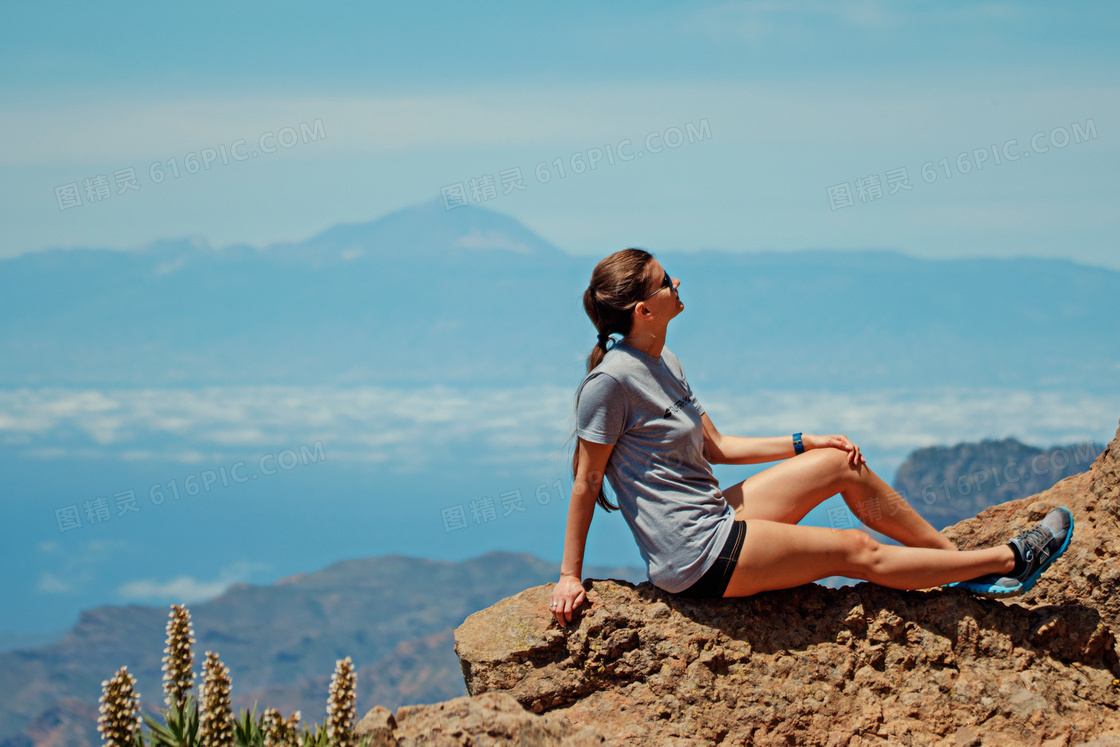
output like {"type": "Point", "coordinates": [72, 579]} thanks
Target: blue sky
{"type": "Point", "coordinates": [311, 115]}
{"type": "Point", "coordinates": [795, 99]}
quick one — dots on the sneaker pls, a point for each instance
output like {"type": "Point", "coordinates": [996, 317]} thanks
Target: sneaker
{"type": "Point", "coordinates": [1039, 547]}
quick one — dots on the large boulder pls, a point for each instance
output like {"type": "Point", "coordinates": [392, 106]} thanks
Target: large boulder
{"type": "Point", "coordinates": [852, 666]}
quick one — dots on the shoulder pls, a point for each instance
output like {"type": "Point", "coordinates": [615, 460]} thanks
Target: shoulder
{"type": "Point", "coordinates": [601, 395]}
{"type": "Point", "coordinates": [600, 381]}
{"type": "Point", "coordinates": [601, 376]}
{"type": "Point", "coordinates": [672, 361]}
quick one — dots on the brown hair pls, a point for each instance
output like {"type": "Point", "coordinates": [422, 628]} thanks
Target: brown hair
{"type": "Point", "coordinates": [618, 283]}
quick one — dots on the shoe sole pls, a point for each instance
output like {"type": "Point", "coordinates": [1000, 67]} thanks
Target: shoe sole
{"type": "Point", "coordinates": [989, 594]}
{"type": "Point", "coordinates": [1027, 585]}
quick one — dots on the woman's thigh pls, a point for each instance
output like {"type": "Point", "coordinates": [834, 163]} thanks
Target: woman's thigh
{"type": "Point", "coordinates": [776, 555]}
{"type": "Point", "coordinates": [790, 489]}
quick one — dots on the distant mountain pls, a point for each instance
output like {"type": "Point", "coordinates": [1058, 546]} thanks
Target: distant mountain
{"type": "Point", "coordinates": [948, 484]}
{"type": "Point", "coordinates": [393, 615]}
{"type": "Point", "coordinates": [423, 233]}
{"type": "Point", "coordinates": [470, 297]}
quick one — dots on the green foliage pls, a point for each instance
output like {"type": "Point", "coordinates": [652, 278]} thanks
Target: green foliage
{"type": "Point", "coordinates": [321, 738]}
{"type": "Point", "coordinates": [179, 727]}
{"type": "Point", "coordinates": [247, 731]}
{"type": "Point", "coordinates": [316, 738]}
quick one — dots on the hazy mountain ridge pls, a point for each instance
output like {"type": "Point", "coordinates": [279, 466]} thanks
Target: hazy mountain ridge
{"type": "Point", "coordinates": [468, 296]}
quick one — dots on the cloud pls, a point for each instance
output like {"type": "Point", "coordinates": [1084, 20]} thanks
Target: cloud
{"type": "Point", "coordinates": [187, 589]}
{"type": "Point", "coordinates": [894, 423]}
{"type": "Point", "coordinates": [183, 588]}
{"type": "Point", "coordinates": [553, 121]}
{"type": "Point", "coordinates": [52, 584]}
{"type": "Point", "coordinates": [412, 430]}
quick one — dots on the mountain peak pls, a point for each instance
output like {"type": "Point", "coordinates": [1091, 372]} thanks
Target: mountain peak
{"type": "Point", "coordinates": [424, 231]}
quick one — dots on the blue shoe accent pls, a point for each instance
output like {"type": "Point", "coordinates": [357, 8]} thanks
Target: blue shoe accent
{"type": "Point", "coordinates": [991, 585]}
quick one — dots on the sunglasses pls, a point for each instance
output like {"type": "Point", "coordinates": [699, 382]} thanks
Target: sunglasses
{"type": "Point", "coordinates": [667, 282]}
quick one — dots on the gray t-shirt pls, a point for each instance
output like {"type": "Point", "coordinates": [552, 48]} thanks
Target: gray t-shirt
{"type": "Point", "coordinates": [664, 486]}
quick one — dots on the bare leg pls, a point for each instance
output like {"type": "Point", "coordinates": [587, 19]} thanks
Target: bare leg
{"type": "Point", "coordinates": [777, 555]}
{"type": "Point", "coordinates": [880, 507]}
{"type": "Point", "coordinates": [790, 489]}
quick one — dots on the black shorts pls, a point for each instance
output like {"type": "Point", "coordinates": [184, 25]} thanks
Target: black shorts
{"type": "Point", "coordinates": [713, 583]}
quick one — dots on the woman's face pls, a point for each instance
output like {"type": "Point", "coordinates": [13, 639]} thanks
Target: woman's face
{"type": "Point", "coordinates": [666, 300]}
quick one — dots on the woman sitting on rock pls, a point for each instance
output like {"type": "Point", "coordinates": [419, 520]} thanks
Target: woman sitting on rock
{"type": "Point", "coordinates": [640, 426]}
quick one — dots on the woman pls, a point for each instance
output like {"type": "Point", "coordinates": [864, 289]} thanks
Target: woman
{"type": "Point", "coordinates": [641, 427]}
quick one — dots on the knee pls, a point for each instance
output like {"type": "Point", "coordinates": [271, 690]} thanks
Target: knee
{"type": "Point", "coordinates": [836, 461]}
{"type": "Point", "coordinates": [864, 552]}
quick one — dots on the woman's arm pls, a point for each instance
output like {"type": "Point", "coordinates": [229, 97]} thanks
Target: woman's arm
{"type": "Point", "coordinates": [568, 592]}
{"type": "Point", "coordinates": [721, 449]}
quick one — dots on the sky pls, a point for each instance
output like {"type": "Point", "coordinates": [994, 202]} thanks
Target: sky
{"type": "Point", "coordinates": [937, 129]}
{"type": "Point", "coordinates": [941, 130]}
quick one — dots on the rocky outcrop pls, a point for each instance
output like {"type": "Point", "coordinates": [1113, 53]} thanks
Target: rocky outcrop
{"type": "Point", "coordinates": [852, 666]}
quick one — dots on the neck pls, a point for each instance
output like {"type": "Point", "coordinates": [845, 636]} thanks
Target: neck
{"type": "Point", "coordinates": [649, 343]}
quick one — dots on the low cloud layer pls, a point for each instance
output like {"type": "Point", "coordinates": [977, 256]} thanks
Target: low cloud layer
{"type": "Point", "coordinates": [410, 430]}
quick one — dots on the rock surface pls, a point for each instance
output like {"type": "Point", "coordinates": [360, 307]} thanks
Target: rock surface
{"type": "Point", "coordinates": [852, 666]}
{"type": "Point", "coordinates": [483, 720]}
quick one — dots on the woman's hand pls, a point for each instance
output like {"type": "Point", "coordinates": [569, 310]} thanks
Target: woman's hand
{"type": "Point", "coordinates": [855, 458]}
{"type": "Point", "coordinates": [566, 596]}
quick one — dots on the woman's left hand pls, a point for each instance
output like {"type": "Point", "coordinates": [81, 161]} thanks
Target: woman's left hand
{"type": "Point", "coordinates": [855, 458]}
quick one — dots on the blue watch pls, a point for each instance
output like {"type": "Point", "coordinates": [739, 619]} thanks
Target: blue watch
{"type": "Point", "coordinates": [798, 447]}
